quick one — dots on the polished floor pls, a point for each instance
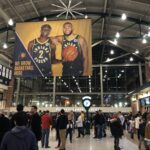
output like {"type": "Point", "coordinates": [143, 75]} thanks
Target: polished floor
{"type": "Point", "coordinates": [88, 143]}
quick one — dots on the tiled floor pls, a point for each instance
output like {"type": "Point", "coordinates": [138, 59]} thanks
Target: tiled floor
{"type": "Point", "coordinates": [88, 143]}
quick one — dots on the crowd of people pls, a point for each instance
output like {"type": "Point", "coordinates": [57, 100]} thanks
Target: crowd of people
{"type": "Point", "coordinates": [25, 130]}
{"type": "Point", "coordinates": [136, 124]}
{"type": "Point", "coordinates": [115, 122]}
{"type": "Point", "coordinates": [139, 125]}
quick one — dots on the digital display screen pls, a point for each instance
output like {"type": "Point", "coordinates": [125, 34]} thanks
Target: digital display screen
{"type": "Point", "coordinates": [142, 102]}
{"type": "Point", "coordinates": [5, 75]}
{"type": "Point", "coordinates": [10, 74]}
{"type": "Point", "coordinates": [4, 72]}
{"type": "Point", "coordinates": [147, 101]}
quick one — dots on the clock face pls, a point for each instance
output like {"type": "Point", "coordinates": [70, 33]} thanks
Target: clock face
{"type": "Point", "coordinates": [87, 103]}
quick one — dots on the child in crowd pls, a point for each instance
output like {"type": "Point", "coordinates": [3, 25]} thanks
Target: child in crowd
{"type": "Point", "coordinates": [69, 130]}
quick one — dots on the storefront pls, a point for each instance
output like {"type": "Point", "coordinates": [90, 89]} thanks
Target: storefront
{"type": "Point", "coordinates": [141, 99]}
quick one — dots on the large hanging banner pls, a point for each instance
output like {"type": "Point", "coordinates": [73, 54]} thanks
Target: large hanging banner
{"type": "Point", "coordinates": [53, 48]}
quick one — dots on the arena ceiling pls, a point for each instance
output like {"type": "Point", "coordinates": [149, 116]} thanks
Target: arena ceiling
{"type": "Point", "coordinates": [105, 15]}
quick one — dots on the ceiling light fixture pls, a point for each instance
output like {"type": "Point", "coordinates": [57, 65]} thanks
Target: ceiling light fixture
{"type": "Point", "coordinates": [11, 22]}
{"type": "Point", "coordinates": [115, 42]}
{"type": "Point", "coordinates": [45, 19]}
{"type": "Point", "coordinates": [105, 76]}
{"type": "Point", "coordinates": [137, 52]}
{"type": "Point", "coordinates": [131, 59]}
{"type": "Point", "coordinates": [112, 52]}
{"type": "Point", "coordinates": [123, 17]}
{"type": "Point", "coordinates": [144, 41]}
{"type": "Point", "coordinates": [86, 17]}
{"type": "Point", "coordinates": [5, 46]}
{"type": "Point", "coordinates": [117, 35]}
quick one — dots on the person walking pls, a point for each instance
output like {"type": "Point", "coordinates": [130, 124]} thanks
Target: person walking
{"type": "Point", "coordinates": [101, 125]}
{"type": "Point", "coordinates": [35, 123]}
{"type": "Point", "coordinates": [79, 124]}
{"type": "Point", "coordinates": [142, 132]}
{"type": "Point", "coordinates": [62, 125]}
{"type": "Point", "coordinates": [71, 117]}
{"type": "Point", "coordinates": [137, 124]}
{"type": "Point", "coordinates": [69, 130]}
{"type": "Point", "coordinates": [46, 120]}
{"type": "Point", "coordinates": [117, 130]}
{"type": "Point", "coordinates": [57, 131]}
{"type": "Point", "coordinates": [121, 117]}
{"type": "Point", "coordinates": [96, 123]}
{"type": "Point", "coordinates": [20, 137]}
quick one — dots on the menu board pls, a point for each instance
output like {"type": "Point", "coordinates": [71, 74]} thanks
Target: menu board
{"type": "Point", "coordinates": [5, 75]}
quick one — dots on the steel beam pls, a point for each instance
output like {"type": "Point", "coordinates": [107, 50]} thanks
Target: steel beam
{"type": "Point", "coordinates": [117, 57]}
{"type": "Point", "coordinates": [62, 93]}
{"type": "Point", "coordinates": [4, 15]}
{"type": "Point", "coordinates": [96, 43]}
{"type": "Point", "coordinates": [113, 15]}
{"type": "Point", "coordinates": [118, 65]}
{"type": "Point", "coordinates": [101, 84]}
{"type": "Point", "coordinates": [99, 18]}
{"type": "Point", "coordinates": [14, 9]}
{"type": "Point", "coordinates": [54, 90]}
{"type": "Point", "coordinates": [18, 91]}
{"type": "Point", "coordinates": [140, 74]}
{"type": "Point", "coordinates": [34, 7]}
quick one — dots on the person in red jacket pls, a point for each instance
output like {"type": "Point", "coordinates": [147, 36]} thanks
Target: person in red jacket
{"type": "Point", "coordinates": [46, 120]}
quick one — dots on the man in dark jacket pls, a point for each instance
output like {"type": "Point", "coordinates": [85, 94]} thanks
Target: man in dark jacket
{"type": "Point", "coordinates": [4, 126]}
{"type": "Point", "coordinates": [19, 108]}
{"type": "Point", "coordinates": [117, 130]}
{"type": "Point", "coordinates": [57, 131]}
{"type": "Point", "coordinates": [20, 137]}
{"type": "Point", "coordinates": [35, 123]}
{"type": "Point", "coordinates": [142, 132]}
{"type": "Point", "coordinates": [62, 125]}
{"type": "Point", "coordinates": [96, 124]}
{"type": "Point", "coordinates": [101, 124]}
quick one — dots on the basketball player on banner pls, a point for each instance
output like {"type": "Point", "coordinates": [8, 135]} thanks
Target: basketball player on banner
{"type": "Point", "coordinates": [74, 52]}
{"type": "Point", "coordinates": [43, 50]}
